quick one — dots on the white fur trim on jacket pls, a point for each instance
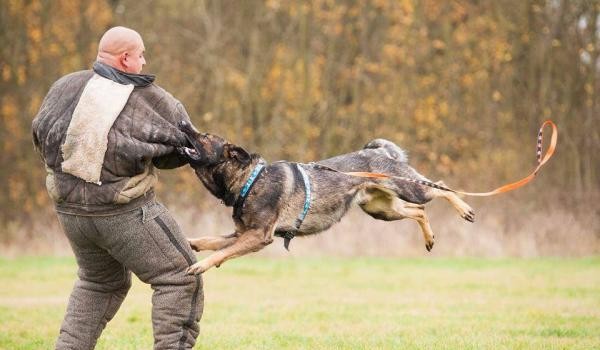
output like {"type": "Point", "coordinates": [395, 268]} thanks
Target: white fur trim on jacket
{"type": "Point", "coordinates": [99, 106]}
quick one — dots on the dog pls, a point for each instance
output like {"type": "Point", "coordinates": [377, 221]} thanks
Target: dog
{"type": "Point", "coordinates": [291, 199]}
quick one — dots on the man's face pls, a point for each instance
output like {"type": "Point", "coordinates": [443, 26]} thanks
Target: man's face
{"type": "Point", "coordinates": [134, 59]}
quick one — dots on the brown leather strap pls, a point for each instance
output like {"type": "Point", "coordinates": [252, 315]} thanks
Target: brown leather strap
{"type": "Point", "coordinates": [506, 188]}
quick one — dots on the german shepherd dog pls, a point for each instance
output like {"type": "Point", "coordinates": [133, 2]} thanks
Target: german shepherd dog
{"type": "Point", "coordinates": [278, 194]}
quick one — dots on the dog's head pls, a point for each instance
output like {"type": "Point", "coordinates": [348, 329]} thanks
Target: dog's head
{"type": "Point", "coordinates": [210, 150]}
{"type": "Point", "coordinates": [205, 150]}
{"type": "Point", "coordinates": [217, 163]}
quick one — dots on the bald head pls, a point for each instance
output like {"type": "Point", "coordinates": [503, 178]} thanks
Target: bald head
{"type": "Point", "coordinates": [122, 48]}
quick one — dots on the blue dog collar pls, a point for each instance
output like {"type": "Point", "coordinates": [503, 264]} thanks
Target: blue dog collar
{"type": "Point", "coordinates": [251, 179]}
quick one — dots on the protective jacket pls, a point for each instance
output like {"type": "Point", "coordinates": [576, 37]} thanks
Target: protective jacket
{"type": "Point", "coordinates": [144, 135]}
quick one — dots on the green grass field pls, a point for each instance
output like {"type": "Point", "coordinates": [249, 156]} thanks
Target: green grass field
{"type": "Point", "coordinates": [337, 303]}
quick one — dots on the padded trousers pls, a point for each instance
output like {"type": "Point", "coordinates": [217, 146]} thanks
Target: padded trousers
{"type": "Point", "coordinates": [148, 242]}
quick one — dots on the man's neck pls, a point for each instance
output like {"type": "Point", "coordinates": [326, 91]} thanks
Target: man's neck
{"type": "Point", "coordinates": [116, 75]}
{"type": "Point", "coordinates": [110, 60]}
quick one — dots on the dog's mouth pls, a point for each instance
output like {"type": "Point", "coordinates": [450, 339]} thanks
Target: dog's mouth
{"type": "Point", "coordinates": [194, 150]}
{"type": "Point", "coordinates": [191, 153]}
{"type": "Point", "coordinates": [205, 149]}
{"type": "Point", "coordinates": [197, 153]}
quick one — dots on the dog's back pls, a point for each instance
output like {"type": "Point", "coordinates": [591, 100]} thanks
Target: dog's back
{"type": "Point", "coordinates": [391, 149]}
{"type": "Point", "coordinates": [374, 152]}
{"type": "Point", "coordinates": [383, 156]}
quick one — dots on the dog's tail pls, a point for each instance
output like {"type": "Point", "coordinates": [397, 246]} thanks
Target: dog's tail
{"type": "Point", "coordinates": [389, 147]}
{"type": "Point", "coordinates": [506, 188]}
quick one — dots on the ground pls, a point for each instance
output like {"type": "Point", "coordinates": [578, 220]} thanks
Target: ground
{"type": "Point", "coordinates": [337, 303]}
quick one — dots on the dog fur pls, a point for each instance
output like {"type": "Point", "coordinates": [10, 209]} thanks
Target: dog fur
{"type": "Point", "coordinates": [277, 197]}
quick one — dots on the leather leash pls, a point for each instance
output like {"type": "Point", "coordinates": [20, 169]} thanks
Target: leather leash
{"type": "Point", "coordinates": [506, 188]}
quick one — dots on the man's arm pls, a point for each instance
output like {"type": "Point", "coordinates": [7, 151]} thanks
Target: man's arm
{"type": "Point", "coordinates": [173, 159]}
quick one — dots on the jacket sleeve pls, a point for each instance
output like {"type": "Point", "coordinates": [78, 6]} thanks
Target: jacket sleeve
{"type": "Point", "coordinates": [173, 159]}
{"type": "Point", "coordinates": [35, 125]}
{"type": "Point", "coordinates": [37, 146]}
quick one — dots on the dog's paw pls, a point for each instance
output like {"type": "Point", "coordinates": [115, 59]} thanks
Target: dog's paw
{"type": "Point", "coordinates": [197, 268]}
{"type": "Point", "coordinates": [470, 216]}
{"type": "Point", "coordinates": [194, 244]}
{"type": "Point", "coordinates": [466, 212]}
{"type": "Point", "coordinates": [429, 244]}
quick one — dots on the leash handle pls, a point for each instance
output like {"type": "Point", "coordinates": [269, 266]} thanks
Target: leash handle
{"type": "Point", "coordinates": [506, 188]}
{"type": "Point", "coordinates": [541, 161]}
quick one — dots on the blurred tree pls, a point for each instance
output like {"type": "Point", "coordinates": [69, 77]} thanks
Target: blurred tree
{"type": "Point", "coordinates": [463, 85]}
{"type": "Point", "coordinates": [41, 40]}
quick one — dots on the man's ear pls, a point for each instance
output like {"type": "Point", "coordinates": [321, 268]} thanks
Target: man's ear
{"type": "Point", "coordinates": [123, 60]}
{"type": "Point", "coordinates": [236, 152]}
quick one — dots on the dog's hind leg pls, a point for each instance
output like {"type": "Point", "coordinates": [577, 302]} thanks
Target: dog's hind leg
{"type": "Point", "coordinates": [423, 222]}
{"type": "Point", "coordinates": [382, 203]}
{"type": "Point", "coordinates": [247, 242]}
{"type": "Point", "coordinates": [212, 242]}
{"type": "Point", "coordinates": [465, 211]}
{"type": "Point", "coordinates": [417, 213]}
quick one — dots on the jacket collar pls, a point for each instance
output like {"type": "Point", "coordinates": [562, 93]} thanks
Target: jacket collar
{"type": "Point", "coordinates": [108, 72]}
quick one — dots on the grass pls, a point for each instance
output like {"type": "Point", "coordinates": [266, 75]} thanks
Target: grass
{"type": "Point", "coordinates": [337, 303]}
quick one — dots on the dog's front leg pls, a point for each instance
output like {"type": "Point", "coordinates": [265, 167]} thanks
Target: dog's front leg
{"type": "Point", "coordinates": [248, 241]}
{"type": "Point", "coordinates": [213, 242]}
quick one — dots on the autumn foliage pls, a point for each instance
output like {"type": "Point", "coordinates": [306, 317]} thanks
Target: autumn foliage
{"type": "Point", "coordinates": [462, 85]}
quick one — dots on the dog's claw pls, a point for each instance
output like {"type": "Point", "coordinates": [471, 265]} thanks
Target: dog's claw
{"type": "Point", "coordinates": [191, 271]}
{"type": "Point", "coordinates": [196, 269]}
{"type": "Point", "coordinates": [469, 216]}
{"type": "Point", "coordinates": [429, 245]}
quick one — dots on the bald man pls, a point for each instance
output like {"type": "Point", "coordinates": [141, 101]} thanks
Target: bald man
{"type": "Point", "coordinates": [101, 133]}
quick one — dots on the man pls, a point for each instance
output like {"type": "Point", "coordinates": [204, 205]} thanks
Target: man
{"type": "Point", "coordinates": [100, 133]}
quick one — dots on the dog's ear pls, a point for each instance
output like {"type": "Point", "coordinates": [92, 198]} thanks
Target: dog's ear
{"type": "Point", "coordinates": [236, 152]}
